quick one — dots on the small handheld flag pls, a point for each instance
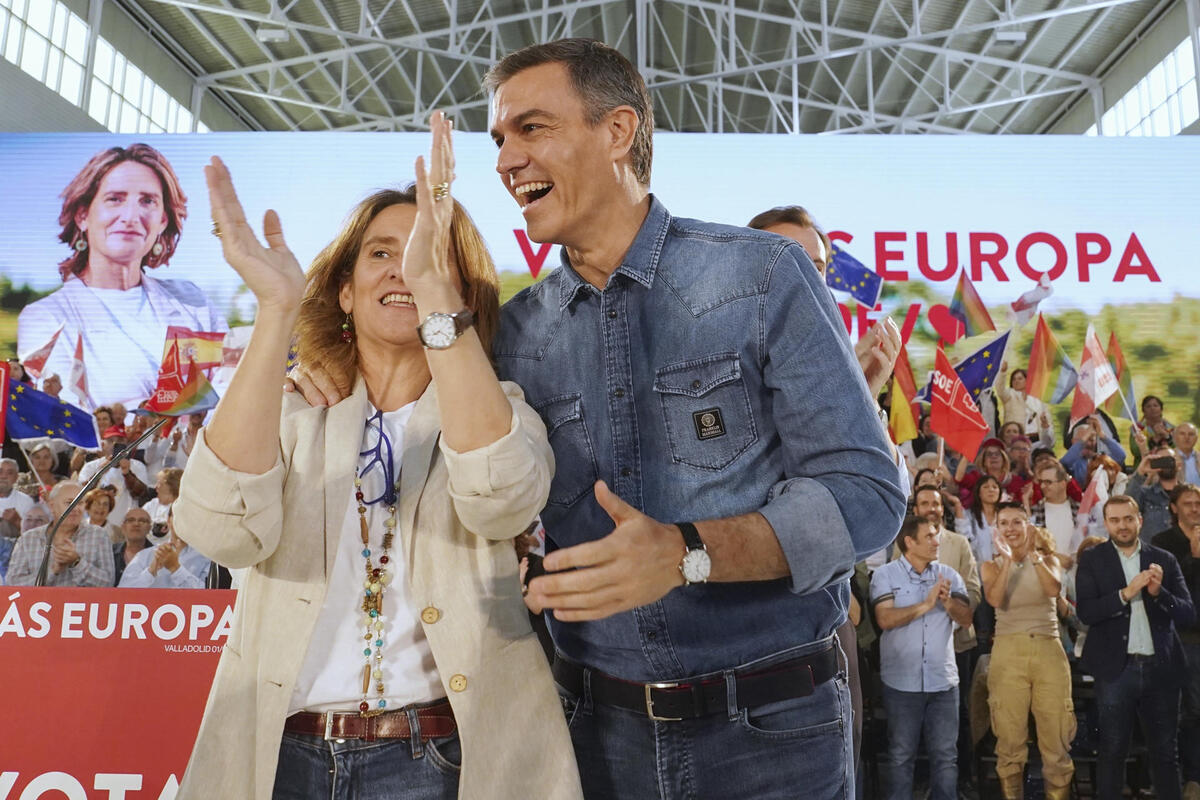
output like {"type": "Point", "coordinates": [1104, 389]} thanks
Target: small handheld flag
{"type": "Point", "coordinates": [969, 307]}
{"type": "Point", "coordinates": [846, 273]}
{"type": "Point", "coordinates": [35, 362]}
{"type": "Point", "coordinates": [954, 415]}
{"type": "Point", "coordinates": [1051, 375]}
{"type": "Point", "coordinates": [1096, 379]}
{"type": "Point", "coordinates": [30, 414]}
{"type": "Point", "coordinates": [1125, 398]}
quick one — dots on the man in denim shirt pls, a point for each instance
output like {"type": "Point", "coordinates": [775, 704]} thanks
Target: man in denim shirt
{"type": "Point", "coordinates": [696, 374]}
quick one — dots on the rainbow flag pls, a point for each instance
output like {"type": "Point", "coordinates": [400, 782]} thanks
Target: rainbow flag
{"type": "Point", "coordinates": [197, 395]}
{"type": "Point", "coordinates": [1051, 375]}
{"type": "Point", "coordinates": [1125, 400]}
{"type": "Point", "coordinates": [902, 420]}
{"type": "Point", "coordinates": [967, 306]}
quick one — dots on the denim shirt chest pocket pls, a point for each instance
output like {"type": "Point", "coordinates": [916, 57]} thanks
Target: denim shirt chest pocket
{"type": "Point", "coordinates": [706, 410]}
{"type": "Point", "coordinates": [575, 459]}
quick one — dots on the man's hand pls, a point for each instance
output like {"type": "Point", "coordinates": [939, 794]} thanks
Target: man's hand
{"type": "Point", "coordinates": [1193, 535]}
{"type": "Point", "coordinates": [1139, 582]}
{"type": "Point", "coordinates": [935, 594]}
{"type": "Point", "coordinates": [78, 459]}
{"type": "Point", "coordinates": [877, 352]}
{"type": "Point", "coordinates": [314, 385]}
{"type": "Point", "coordinates": [943, 594]}
{"type": "Point", "coordinates": [1155, 579]}
{"type": "Point", "coordinates": [168, 554]}
{"type": "Point", "coordinates": [956, 506]}
{"type": "Point", "coordinates": [633, 566]}
{"type": "Point", "coordinates": [63, 555]}
{"type": "Point", "coordinates": [12, 517]}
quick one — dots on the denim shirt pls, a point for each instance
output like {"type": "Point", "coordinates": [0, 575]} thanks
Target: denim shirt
{"type": "Point", "coordinates": [710, 378]}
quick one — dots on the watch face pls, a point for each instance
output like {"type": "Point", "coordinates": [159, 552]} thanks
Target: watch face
{"type": "Point", "coordinates": [438, 331]}
{"type": "Point", "coordinates": [696, 566]}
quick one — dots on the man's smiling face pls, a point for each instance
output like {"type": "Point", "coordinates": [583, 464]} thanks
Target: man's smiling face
{"type": "Point", "coordinates": [555, 165]}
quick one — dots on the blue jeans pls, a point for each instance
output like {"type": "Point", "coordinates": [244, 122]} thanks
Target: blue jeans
{"type": "Point", "coordinates": [1145, 690]}
{"type": "Point", "coordinates": [794, 748]}
{"type": "Point", "coordinates": [1189, 722]}
{"type": "Point", "coordinates": [353, 769]}
{"type": "Point", "coordinates": [909, 714]}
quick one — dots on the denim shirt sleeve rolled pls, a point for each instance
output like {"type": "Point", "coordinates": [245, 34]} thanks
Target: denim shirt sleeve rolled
{"type": "Point", "coordinates": [842, 497]}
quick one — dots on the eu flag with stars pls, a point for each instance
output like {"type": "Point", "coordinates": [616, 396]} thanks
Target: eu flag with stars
{"type": "Point", "coordinates": [36, 415]}
{"type": "Point", "coordinates": [977, 371]}
{"type": "Point", "coordinates": [846, 273]}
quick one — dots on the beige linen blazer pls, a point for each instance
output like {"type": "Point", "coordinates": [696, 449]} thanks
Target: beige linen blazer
{"type": "Point", "coordinates": [458, 513]}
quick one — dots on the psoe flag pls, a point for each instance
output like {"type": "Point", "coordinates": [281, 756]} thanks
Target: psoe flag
{"type": "Point", "coordinates": [846, 273]}
{"type": "Point", "coordinates": [1097, 382]}
{"type": "Point", "coordinates": [954, 415]}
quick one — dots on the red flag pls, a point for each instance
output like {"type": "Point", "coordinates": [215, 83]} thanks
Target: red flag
{"type": "Point", "coordinates": [36, 361]}
{"type": "Point", "coordinates": [78, 380]}
{"type": "Point", "coordinates": [954, 415]}
{"type": "Point", "coordinates": [1096, 379]}
{"type": "Point", "coordinates": [170, 380]}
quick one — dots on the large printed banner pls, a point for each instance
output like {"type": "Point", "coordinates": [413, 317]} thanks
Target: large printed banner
{"type": "Point", "coordinates": [104, 688]}
{"type": "Point", "coordinates": [1111, 221]}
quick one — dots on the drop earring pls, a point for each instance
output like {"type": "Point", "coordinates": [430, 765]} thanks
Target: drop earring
{"type": "Point", "coordinates": [347, 329]}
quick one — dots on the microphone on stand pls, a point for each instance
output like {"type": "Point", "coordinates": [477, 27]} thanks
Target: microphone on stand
{"type": "Point", "coordinates": [44, 568]}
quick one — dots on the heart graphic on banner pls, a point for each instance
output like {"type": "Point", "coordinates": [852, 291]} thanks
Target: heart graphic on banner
{"type": "Point", "coordinates": [947, 326]}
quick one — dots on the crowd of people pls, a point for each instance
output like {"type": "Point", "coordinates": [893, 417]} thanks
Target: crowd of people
{"type": "Point", "coordinates": [998, 598]}
{"type": "Point", "coordinates": [120, 533]}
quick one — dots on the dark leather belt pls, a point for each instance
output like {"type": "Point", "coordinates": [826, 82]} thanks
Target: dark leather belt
{"type": "Point", "coordinates": [436, 722]}
{"type": "Point", "coordinates": [672, 701]}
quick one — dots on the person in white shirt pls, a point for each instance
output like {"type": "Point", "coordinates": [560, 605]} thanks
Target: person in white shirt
{"type": "Point", "coordinates": [13, 504]}
{"type": "Point", "coordinates": [1057, 513]}
{"type": "Point", "coordinates": [169, 565]}
{"type": "Point", "coordinates": [128, 476]}
{"type": "Point", "coordinates": [167, 487]}
{"type": "Point", "coordinates": [121, 216]}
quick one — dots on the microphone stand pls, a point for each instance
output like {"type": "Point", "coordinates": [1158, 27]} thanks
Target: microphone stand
{"type": "Point", "coordinates": [44, 569]}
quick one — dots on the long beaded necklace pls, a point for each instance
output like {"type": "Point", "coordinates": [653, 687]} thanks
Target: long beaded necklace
{"type": "Point", "coordinates": [376, 577]}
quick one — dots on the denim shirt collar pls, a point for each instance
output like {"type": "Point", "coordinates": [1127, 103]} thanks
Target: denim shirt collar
{"type": "Point", "coordinates": [640, 261]}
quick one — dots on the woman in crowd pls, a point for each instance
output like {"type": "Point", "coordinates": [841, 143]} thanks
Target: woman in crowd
{"type": "Point", "coordinates": [41, 477]}
{"type": "Point", "coordinates": [1024, 409]}
{"type": "Point", "coordinates": [979, 520]}
{"type": "Point", "coordinates": [121, 216]}
{"type": "Point", "coordinates": [1157, 430]}
{"type": "Point", "coordinates": [98, 504]}
{"type": "Point", "coordinates": [1029, 670]}
{"type": "Point", "coordinates": [378, 531]}
{"type": "Point", "coordinates": [993, 460]}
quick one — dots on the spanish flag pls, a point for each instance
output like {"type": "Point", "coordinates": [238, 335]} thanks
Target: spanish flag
{"type": "Point", "coordinates": [902, 419]}
{"type": "Point", "coordinates": [202, 347]}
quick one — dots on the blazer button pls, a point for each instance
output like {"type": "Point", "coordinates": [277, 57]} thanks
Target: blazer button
{"type": "Point", "coordinates": [430, 615]}
{"type": "Point", "coordinates": [458, 683]}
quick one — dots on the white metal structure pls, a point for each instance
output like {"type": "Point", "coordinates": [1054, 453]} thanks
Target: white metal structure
{"type": "Point", "coordinates": [773, 66]}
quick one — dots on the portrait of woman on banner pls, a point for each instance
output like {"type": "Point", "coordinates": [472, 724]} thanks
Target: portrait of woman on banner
{"type": "Point", "coordinates": [122, 216]}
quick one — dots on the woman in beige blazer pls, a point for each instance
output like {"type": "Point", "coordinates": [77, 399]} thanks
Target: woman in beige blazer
{"type": "Point", "coordinates": [378, 531]}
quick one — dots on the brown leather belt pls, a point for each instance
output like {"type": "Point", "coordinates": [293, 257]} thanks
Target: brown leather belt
{"type": "Point", "coordinates": [436, 722]}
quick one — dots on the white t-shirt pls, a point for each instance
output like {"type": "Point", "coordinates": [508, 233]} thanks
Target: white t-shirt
{"type": "Point", "coordinates": [1061, 524]}
{"type": "Point", "coordinates": [18, 500]}
{"type": "Point", "coordinates": [331, 677]}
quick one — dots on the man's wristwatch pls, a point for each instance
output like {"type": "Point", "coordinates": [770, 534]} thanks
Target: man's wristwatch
{"type": "Point", "coordinates": [696, 564]}
{"type": "Point", "coordinates": [438, 331]}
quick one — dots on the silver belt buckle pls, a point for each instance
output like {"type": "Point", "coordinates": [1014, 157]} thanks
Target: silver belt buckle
{"type": "Point", "coordinates": [329, 737]}
{"type": "Point", "coordinates": [650, 701]}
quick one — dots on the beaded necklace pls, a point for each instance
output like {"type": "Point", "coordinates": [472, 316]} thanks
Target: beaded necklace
{"type": "Point", "coordinates": [376, 577]}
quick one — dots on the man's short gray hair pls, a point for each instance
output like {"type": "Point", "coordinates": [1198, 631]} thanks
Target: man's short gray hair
{"type": "Point", "coordinates": [62, 487]}
{"type": "Point", "coordinates": [12, 461]}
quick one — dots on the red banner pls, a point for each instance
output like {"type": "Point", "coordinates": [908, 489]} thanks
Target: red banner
{"type": "Point", "coordinates": [105, 688]}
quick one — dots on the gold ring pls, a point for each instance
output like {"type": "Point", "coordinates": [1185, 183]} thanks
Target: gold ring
{"type": "Point", "coordinates": [441, 190]}
{"type": "Point", "coordinates": [216, 230]}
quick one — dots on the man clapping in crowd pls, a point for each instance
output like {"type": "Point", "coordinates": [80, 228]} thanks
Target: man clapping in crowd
{"type": "Point", "coordinates": [917, 602]}
{"type": "Point", "coordinates": [1132, 597]}
{"type": "Point", "coordinates": [81, 554]}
